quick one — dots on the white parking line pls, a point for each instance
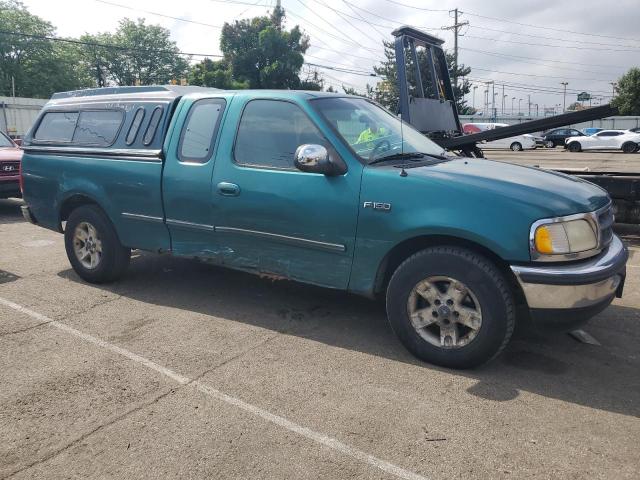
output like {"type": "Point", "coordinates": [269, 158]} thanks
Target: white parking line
{"type": "Point", "coordinates": [317, 437]}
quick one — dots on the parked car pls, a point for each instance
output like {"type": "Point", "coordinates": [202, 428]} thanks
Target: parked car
{"type": "Point", "coordinates": [556, 137]}
{"type": "Point", "coordinates": [516, 143]}
{"type": "Point", "coordinates": [10, 155]}
{"type": "Point", "coordinates": [605, 140]}
{"type": "Point", "coordinates": [326, 189]}
{"type": "Point", "coordinates": [635, 130]}
{"type": "Point", "coordinates": [591, 130]}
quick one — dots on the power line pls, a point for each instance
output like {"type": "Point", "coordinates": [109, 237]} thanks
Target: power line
{"type": "Point", "coordinates": [541, 76]}
{"type": "Point", "coordinates": [554, 46]}
{"type": "Point", "coordinates": [218, 27]}
{"type": "Point", "coordinates": [105, 45]}
{"type": "Point", "coordinates": [344, 17]}
{"type": "Point", "coordinates": [563, 30]}
{"type": "Point", "coordinates": [482, 27]}
{"type": "Point", "coordinates": [418, 8]}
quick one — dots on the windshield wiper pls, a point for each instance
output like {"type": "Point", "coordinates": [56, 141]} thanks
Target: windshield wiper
{"type": "Point", "coordinates": [407, 156]}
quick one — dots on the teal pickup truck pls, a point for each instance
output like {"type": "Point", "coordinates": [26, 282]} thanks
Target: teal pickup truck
{"type": "Point", "coordinates": [326, 189]}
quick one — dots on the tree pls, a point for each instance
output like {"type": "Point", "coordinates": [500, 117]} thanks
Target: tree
{"type": "Point", "coordinates": [38, 66]}
{"type": "Point", "coordinates": [136, 54]}
{"type": "Point", "coordinates": [259, 53]}
{"type": "Point", "coordinates": [628, 93]}
{"type": "Point", "coordinates": [386, 91]}
{"type": "Point", "coordinates": [217, 74]}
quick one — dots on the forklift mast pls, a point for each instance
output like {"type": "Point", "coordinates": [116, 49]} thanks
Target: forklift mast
{"type": "Point", "coordinates": [429, 103]}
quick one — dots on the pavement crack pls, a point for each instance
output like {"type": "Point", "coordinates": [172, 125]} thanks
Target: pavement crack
{"type": "Point", "coordinates": [13, 332]}
{"type": "Point", "coordinates": [86, 435]}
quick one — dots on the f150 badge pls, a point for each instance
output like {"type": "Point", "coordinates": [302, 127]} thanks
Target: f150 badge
{"type": "Point", "coordinates": [384, 207]}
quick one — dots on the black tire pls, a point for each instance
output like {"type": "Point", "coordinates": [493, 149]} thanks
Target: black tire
{"type": "Point", "coordinates": [486, 282]}
{"type": "Point", "coordinates": [516, 147]}
{"type": "Point", "coordinates": [629, 147]}
{"type": "Point", "coordinates": [550, 144]}
{"type": "Point", "coordinates": [114, 257]}
{"type": "Point", "coordinates": [574, 147]}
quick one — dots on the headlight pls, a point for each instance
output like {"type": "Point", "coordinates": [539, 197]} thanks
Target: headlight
{"type": "Point", "coordinates": [563, 238]}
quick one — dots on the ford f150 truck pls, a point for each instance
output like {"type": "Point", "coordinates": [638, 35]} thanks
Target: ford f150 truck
{"type": "Point", "coordinates": [326, 189]}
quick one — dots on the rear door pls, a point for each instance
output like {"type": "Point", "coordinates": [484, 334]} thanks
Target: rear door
{"type": "Point", "coordinates": [272, 218]}
{"type": "Point", "coordinates": [186, 185]}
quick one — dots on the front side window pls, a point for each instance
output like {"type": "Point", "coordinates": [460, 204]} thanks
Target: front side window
{"type": "Point", "coordinates": [371, 131]}
{"type": "Point", "coordinates": [57, 127]}
{"type": "Point", "coordinates": [270, 131]}
{"type": "Point", "coordinates": [198, 137]}
{"type": "Point", "coordinates": [98, 127]}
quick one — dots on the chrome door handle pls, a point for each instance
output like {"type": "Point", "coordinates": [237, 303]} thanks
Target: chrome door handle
{"type": "Point", "coordinates": [228, 189]}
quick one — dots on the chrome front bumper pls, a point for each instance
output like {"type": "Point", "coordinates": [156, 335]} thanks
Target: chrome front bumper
{"type": "Point", "coordinates": [580, 285]}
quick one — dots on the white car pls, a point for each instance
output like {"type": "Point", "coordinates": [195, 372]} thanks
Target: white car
{"type": "Point", "coordinates": [517, 143]}
{"type": "Point", "coordinates": [624, 140]}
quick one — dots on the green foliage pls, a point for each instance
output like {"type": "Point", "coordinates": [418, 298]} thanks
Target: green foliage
{"type": "Point", "coordinates": [217, 74]}
{"type": "Point", "coordinates": [258, 53]}
{"type": "Point", "coordinates": [386, 91]}
{"type": "Point", "coordinates": [628, 93]}
{"type": "Point", "coordinates": [38, 66]}
{"type": "Point", "coordinates": [136, 54]}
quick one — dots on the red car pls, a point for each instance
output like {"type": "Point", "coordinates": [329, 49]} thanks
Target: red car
{"type": "Point", "coordinates": [10, 156]}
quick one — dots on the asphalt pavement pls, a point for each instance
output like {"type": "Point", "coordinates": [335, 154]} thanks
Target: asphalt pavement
{"type": "Point", "coordinates": [183, 370]}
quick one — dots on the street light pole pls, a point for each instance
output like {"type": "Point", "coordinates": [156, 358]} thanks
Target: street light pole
{"type": "Point", "coordinates": [564, 96]}
{"type": "Point", "coordinates": [504, 98]}
{"type": "Point", "coordinates": [529, 102]}
{"type": "Point", "coordinates": [613, 89]}
{"type": "Point", "coordinates": [519, 111]}
{"type": "Point", "coordinates": [513, 99]}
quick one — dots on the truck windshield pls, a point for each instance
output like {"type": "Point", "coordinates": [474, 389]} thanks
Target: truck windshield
{"type": "Point", "coordinates": [372, 132]}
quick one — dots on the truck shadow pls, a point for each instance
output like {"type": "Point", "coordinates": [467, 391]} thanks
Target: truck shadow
{"type": "Point", "coordinates": [10, 211]}
{"type": "Point", "coordinates": [554, 366]}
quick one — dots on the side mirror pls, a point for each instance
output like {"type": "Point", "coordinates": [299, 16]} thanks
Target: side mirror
{"type": "Point", "coordinates": [313, 158]}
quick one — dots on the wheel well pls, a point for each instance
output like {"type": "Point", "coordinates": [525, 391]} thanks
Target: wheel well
{"type": "Point", "coordinates": [405, 249]}
{"type": "Point", "coordinates": [73, 202]}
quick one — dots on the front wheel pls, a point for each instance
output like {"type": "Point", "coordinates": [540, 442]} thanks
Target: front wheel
{"type": "Point", "coordinates": [451, 307]}
{"type": "Point", "coordinates": [549, 144]}
{"type": "Point", "coordinates": [575, 147]}
{"type": "Point", "coordinates": [93, 247]}
{"type": "Point", "coordinates": [516, 146]}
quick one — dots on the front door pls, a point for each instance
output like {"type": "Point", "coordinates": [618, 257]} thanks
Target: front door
{"type": "Point", "coordinates": [186, 185]}
{"type": "Point", "coordinates": [272, 218]}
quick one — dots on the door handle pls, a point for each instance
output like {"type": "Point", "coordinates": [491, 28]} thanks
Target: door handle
{"type": "Point", "coordinates": [228, 189]}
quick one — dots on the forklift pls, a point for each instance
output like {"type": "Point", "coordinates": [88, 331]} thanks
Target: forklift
{"type": "Point", "coordinates": [427, 102]}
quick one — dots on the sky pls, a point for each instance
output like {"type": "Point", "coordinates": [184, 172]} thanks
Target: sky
{"type": "Point", "coordinates": [527, 47]}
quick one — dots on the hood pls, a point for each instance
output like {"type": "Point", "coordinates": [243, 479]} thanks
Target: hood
{"type": "Point", "coordinates": [10, 154]}
{"type": "Point", "coordinates": [552, 193]}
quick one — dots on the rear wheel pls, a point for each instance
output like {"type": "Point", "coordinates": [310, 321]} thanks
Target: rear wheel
{"type": "Point", "coordinates": [629, 147]}
{"type": "Point", "coordinates": [575, 147]}
{"type": "Point", "coordinates": [93, 247]}
{"type": "Point", "coordinates": [451, 307]}
{"type": "Point", "coordinates": [549, 144]}
{"type": "Point", "coordinates": [516, 146]}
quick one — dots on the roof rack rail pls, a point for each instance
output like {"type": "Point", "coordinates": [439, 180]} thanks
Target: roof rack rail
{"type": "Point", "coordinates": [94, 92]}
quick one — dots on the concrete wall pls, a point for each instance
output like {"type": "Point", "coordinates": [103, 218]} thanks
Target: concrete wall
{"type": "Point", "coordinates": [619, 123]}
{"type": "Point", "coordinates": [18, 114]}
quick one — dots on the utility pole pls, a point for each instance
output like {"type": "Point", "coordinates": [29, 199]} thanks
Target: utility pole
{"type": "Point", "coordinates": [529, 102]}
{"type": "Point", "coordinates": [456, 28]}
{"type": "Point", "coordinates": [613, 89]}
{"type": "Point", "coordinates": [504, 99]}
{"type": "Point", "coordinates": [564, 96]}
{"type": "Point", "coordinates": [473, 103]}
{"type": "Point", "coordinates": [519, 110]}
{"type": "Point", "coordinates": [486, 101]}
{"type": "Point", "coordinates": [513, 99]}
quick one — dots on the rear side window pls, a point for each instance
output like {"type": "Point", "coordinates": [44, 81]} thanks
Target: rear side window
{"type": "Point", "coordinates": [98, 127]}
{"type": "Point", "coordinates": [200, 130]}
{"type": "Point", "coordinates": [154, 121]}
{"type": "Point", "coordinates": [269, 133]}
{"type": "Point", "coordinates": [135, 126]}
{"type": "Point", "coordinates": [57, 127]}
